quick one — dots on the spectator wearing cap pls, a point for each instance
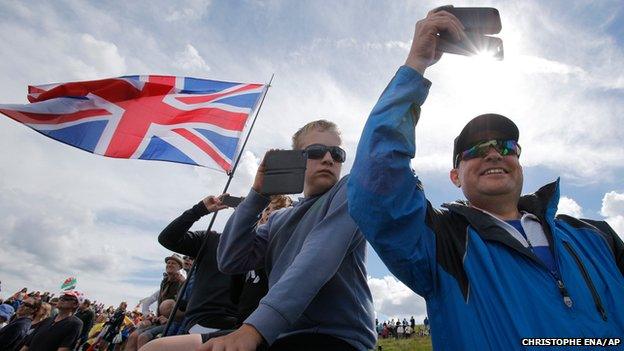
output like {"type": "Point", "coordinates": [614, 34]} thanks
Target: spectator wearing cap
{"type": "Point", "coordinates": [59, 332]}
{"type": "Point", "coordinates": [169, 288]}
{"type": "Point", "coordinates": [87, 316]}
{"type": "Point", "coordinates": [499, 266]}
{"type": "Point", "coordinates": [173, 280]}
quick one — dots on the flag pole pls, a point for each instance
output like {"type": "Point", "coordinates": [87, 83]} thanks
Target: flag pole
{"type": "Point", "coordinates": [214, 215]}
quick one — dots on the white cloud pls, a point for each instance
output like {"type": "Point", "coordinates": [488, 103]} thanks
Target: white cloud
{"type": "Point", "coordinates": [613, 210]}
{"type": "Point", "coordinates": [190, 60]}
{"type": "Point", "coordinates": [570, 207]}
{"type": "Point", "coordinates": [392, 299]}
{"type": "Point", "coordinates": [188, 11]}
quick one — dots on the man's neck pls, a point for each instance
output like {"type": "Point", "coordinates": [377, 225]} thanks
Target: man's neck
{"type": "Point", "coordinates": [63, 313]}
{"type": "Point", "coordinates": [504, 211]}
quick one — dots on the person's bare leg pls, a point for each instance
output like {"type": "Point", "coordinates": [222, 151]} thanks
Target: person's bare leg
{"type": "Point", "coordinates": [143, 339]}
{"type": "Point", "coordinates": [131, 345]}
{"type": "Point", "coordinates": [174, 343]}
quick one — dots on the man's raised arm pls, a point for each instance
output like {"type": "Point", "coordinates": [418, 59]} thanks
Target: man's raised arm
{"type": "Point", "coordinates": [385, 197]}
{"type": "Point", "coordinates": [243, 244]}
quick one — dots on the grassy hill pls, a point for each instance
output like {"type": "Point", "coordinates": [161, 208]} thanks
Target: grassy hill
{"type": "Point", "coordinates": [415, 343]}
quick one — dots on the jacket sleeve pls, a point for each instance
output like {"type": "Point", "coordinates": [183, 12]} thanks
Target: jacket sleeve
{"type": "Point", "coordinates": [242, 246]}
{"type": "Point", "coordinates": [321, 254]}
{"type": "Point", "coordinates": [386, 199]}
{"type": "Point", "coordinates": [177, 237]}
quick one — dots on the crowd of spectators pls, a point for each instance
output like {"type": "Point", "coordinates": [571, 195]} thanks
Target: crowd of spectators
{"type": "Point", "coordinates": [32, 320]}
{"type": "Point", "coordinates": [401, 329]}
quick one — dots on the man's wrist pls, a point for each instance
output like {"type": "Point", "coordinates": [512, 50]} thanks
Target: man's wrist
{"type": "Point", "coordinates": [252, 331]}
{"type": "Point", "coordinates": [417, 65]}
{"type": "Point", "coordinates": [200, 209]}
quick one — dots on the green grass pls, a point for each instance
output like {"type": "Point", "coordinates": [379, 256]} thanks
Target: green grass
{"type": "Point", "coordinates": [415, 343]}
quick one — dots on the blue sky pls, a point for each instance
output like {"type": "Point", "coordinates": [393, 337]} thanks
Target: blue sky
{"type": "Point", "coordinates": [66, 212]}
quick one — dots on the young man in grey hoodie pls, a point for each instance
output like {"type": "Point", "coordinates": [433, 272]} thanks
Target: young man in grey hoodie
{"type": "Point", "coordinates": [314, 255]}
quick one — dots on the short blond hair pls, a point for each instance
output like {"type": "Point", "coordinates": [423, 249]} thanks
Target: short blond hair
{"type": "Point", "coordinates": [320, 125]}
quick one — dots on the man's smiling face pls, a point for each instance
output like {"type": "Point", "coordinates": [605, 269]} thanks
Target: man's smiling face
{"type": "Point", "coordinates": [485, 177]}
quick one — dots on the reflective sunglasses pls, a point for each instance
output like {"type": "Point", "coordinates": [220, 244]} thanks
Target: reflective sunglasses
{"type": "Point", "coordinates": [503, 147]}
{"type": "Point", "coordinates": [318, 151]}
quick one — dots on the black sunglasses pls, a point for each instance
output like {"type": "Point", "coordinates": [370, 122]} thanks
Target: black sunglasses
{"type": "Point", "coordinates": [28, 304]}
{"type": "Point", "coordinates": [318, 151]}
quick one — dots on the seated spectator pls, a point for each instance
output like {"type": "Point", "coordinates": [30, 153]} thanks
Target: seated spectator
{"type": "Point", "coordinates": [61, 331]}
{"type": "Point", "coordinates": [94, 332]}
{"type": "Point", "coordinates": [400, 331]}
{"type": "Point", "coordinates": [6, 312]}
{"type": "Point", "coordinates": [14, 333]}
{"type": "Point", "coordinates": [315, 257]}
{"type": "Point", "coordinates": [86, 315]}
{"type": "Point", "coordinates": [245, 290]}
{"type": "Point", "coordinates": [164, 311]}
{"type": "Point", "coordinates": [53, 309]}
{"type": "Point", "coordinates": [115, 323]}
{"type": "Point", "coordinates": [169, 287]}
{"type": "Point", "coordinates": [408, 331]}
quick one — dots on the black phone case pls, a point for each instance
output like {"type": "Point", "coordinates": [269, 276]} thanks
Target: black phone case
{"type": "Point", "coordinates": [232, 201]}
{"type": "Point", "coordinates": [284, 172]}
{"type": "Point", "coordinates": [483, 20]}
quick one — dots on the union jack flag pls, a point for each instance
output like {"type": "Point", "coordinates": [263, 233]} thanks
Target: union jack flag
{"type": "Point", "coordinates": [176, 119]}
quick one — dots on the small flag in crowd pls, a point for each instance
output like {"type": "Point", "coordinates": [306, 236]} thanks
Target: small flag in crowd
{"type": "Point", "coordinates": [69, 283]}
{"type": "Point", "coordinates": [176, 119]}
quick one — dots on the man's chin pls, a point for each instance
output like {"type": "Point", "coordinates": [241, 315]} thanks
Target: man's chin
{"type": "Point", "coordinates": [323, 184]}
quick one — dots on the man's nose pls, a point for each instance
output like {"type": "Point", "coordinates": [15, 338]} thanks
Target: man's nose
{"type": "Point", "coordinates": [493, 154]}
{"type": "Point", "coordinates": [327, 158]}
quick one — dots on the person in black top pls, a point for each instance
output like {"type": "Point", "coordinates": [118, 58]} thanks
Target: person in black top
{"type": "Point", "coordinates": [14, 333]}
{"type": "Point", "coordinates": [215, 297]}
{"type": "Point", "coordinates": [60, 332]}
{"type": "Point", "coordinates": [207, 303]}
{"type": "Point", "coordinates": [86, 315]}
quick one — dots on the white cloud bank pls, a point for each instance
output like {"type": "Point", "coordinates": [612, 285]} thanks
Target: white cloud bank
{"type": "Point", "coordinates": [570, 207]}
{"type": "Point", "coordinates": [190, 60]}
{"type": "Point", "coordinates": [392, 299]}
{"type": "Point", "coordinates": [613, 210]}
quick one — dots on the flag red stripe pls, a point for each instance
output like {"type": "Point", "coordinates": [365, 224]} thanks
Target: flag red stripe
{"type": "Point", "coordinates": [204, 147]}
{"type": "Point", "coordinates": [44, 118]}
{"type": "Point", "coordinates": [164, 80]}
{"type": "Point", "coordinates": [224, 119]}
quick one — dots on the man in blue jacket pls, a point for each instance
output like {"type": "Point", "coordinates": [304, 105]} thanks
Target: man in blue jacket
{"type": "Point", "coordinates": [500, 267]}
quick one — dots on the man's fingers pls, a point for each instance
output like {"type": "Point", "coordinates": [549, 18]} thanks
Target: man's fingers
{"type": "Point", "coordinates": [449, 16]}
{"type": "Point", "coordinates": [438, 9]}
{"type": "Point", "coordinates": [445, 24]}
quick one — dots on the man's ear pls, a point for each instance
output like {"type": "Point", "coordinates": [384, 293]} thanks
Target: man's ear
{"type": "Point", "coordinates": [454, 176]}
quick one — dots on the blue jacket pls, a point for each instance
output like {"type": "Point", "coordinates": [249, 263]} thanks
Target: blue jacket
{"type": "Point", "coordinates": [484, 290]}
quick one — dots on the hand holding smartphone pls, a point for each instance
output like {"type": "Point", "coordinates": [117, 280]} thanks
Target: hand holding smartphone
{"type": "Point", "coordinates": [231, 201]}
{"type": "Point", "coordinates": [284, 172]}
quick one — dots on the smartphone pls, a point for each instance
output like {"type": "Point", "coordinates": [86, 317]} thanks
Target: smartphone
{"type": "Point", "coordinates": [231, 201]}
{"type": "Point", "coordinates": [284, 172]}
{"type": "Point", "coordinates": [484, 20]}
